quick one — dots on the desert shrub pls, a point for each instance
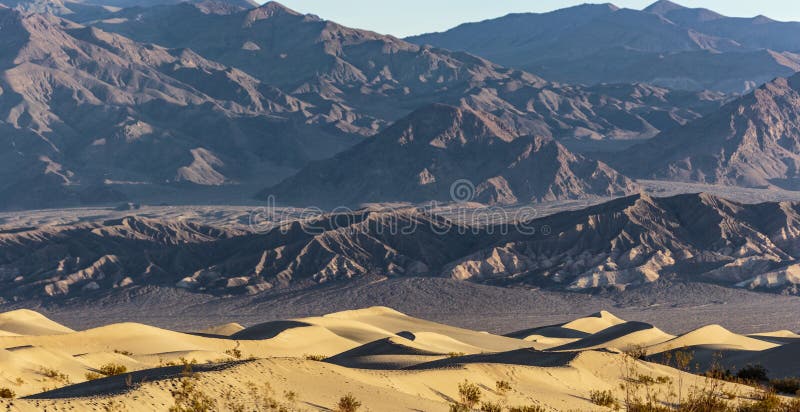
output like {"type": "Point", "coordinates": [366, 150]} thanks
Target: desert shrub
{"type": "Point", "coordinates": [638, 406]}
{"type": "Point", "coordinates": [348, 403]}
{"type": "Point", "coordinates": [786, 385]}
{"type": "Point", "coordinates": [318, 358]}
{"type": "Point", "coordinates": [188, 398]}
{"type": "Point", "coordinates": [765, 402]}
{"type": "Point", "coordinates": [236, 353]}
{"type": "Point", "coordinates": [602, 398]}
{"type": "Point", "coordinates": [637, 352]}
{"type": "Point", "coordinates": [290, 396]}
{"type": "Point", "coordinates": [455, 354]}
{"type": "Point", "coordinates": [752, 373]}
{"type": "Point", "coordinates": [527, 408]}
{"type": "Point", "coordinates": [491, 407]}
{"type": "Point", "coordinates": [54, 374]}
{"type": "Point", "coordinates": [123, 352]}
{"type": "Point", "coordinates": [457, 407]}
{"type": "Point", "coordinates": [704, 400]}
{"type": "Point", "coordinates": [112, 369]}
{"type": "Point", "coordinates": [502, 387]}
{"type": "Point", "coordinates": [7, 393]}
{"type": "Point", "coordinates": [90, 376]}
{"type": "Point", "coordinates": [663, 380]}
{"type": "Point", "coordinates": [469, 393]}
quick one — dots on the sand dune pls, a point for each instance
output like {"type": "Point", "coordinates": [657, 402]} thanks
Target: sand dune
{"type": "Point", "coordinates": [226, 329]}
{"type": "Point", "coordinates": [28, 322]}
{"type": "Point", "coordinates": [621, 336]}
{"type": "Point", "coordinates": [712, 337]}
{"type": "Point", "coordinates": [390, 361]}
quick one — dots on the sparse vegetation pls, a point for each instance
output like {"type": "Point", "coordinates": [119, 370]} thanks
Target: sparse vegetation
{"type": "Point", "coordinates": [502, 387]}
{"type": "Point", "coordinates": [469, 393]}
{"type": "Point", "coordinates": [188, 398]}
{"type": "Point", "coordinates": [790, 386]}
{"type": "Point", "coordinates": [123, 352]}
{"type": "Point", "coordinates": [7, 393]}
{"type": "Point", "coordinates": [528, 408]}
{"type": "Point", "coordinates": [313, 357]}
{"type": "Point", "coordinates": [55, 375]}
{"type": "Point", "coordinates": [90, 376]}
{"type": "Point", "coordinates": [348, 403]}
{"type": "Point", "coordinates": [603, 398]}
{"type": "Point", "coordinates": [752, 373]}
{"type": "Point", "coordinates": [112, 369]}
{"type": "Point", "coordinates": [489, 406]}
{"type": "Point", "coordinates": [455, 354]}
{"type": "Point", "coordinates": [235, 353]}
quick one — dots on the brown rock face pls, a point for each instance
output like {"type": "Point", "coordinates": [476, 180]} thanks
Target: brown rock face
{"type": "Point", "coordinates": [753, 141]}
{"type": "Point", "coordinates": [421, 158]}
{"type": "Point", "coordinates": [362, 80]}
{"type": "Point", "coordinates": [624, 243]}
{"type": "Point", "coordinates": [82, 107]}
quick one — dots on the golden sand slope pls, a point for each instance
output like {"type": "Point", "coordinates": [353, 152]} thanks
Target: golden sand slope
{"type": "Point", "coordinates": [388, 360]}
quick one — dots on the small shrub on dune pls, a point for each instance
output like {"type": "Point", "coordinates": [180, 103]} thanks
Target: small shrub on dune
{"type": "Point", "coordinates": [502, 387]}
{"type": "Point", "coordinates": [603, 398]}
{"type": "Point", "coordinates": [312, 357]}
{"type": "Point", "coordinates": [528, 408]}
{"type": "Point", "coordinates": [54, 374]}
{"type": "Point", "coordinates": [788, 386]}
{"type": "Point", "coordinates": [188, 398]}
{"type": "Point", "coordinates": [752, 373]}
{"type": "Point", "coordinates": [348, 403]}
{"type": "Point", "coordinates": [469, 393]}
{"type": "Point", "coordinates": [491, 407]}
{"type": "Point", "coordinates": [90, 376]}
{"type": "Point", "coordinates": [7, 393]}
{"type": "Point", "coordinates": [112, 369]}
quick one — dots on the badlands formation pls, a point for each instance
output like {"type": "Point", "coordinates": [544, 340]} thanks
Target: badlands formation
{"type": "Point", "coordinates": [379, 359]}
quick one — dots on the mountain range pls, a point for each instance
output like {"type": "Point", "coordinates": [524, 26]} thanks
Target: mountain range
{"type": "Point", "coordinates": [753, 141]}
{"type": "Point", "coordinates": [625, 243]}
{"type": "Point", "coordinates": [665, 44]}
{"type": "Point", "coordinates": [421, 157]}
{"type": "Point", "coordinates": [178, 95]}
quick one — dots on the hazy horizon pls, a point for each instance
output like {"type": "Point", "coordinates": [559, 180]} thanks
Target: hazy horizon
{"type": "Point", "coordinates": [414, 17]}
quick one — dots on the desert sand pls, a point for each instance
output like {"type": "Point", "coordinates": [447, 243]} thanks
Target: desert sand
{"type": "Point", "coordinates": [387, 360]}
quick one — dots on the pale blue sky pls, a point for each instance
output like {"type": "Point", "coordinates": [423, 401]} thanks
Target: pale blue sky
{"type": "Point", "coordinates": [406, 17]}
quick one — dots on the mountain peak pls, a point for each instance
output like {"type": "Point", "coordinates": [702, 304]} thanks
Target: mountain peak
{"type": "Point", "coordinates": [663, 6]}
{"type": "Point", "coordinates": [270, 9]}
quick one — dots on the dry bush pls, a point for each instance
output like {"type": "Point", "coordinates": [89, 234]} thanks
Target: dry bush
{"type": "Point", "coordinates": [188, 398]}
{"type": "Point", "coordinates": [7, 393]}
{"type": "Point", "coordinates": [603, 398]}
{"type": "Point", "coordinates": [313, 357]}
{"type": "Point", "coordinates": [788, 386]}
{"type": "Point", "coordinates": [502, 387]}
{"type": "Point", "coordinates": [491, 407]}
{"type": "Point", "coordinates": [469, 393]}
{"type": "Point", "coordinates": [348, 403]}
{"type": "Point", "coordinates": [112, 369]}
{"type": "Point", "coordinates": [55, 375]}
{"type": "Point", "coordinates": [752, 373]}
{"type": "Point", "coordinates": [90, 376]}
{"type": "Point", "coordinates": [528, 408]}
